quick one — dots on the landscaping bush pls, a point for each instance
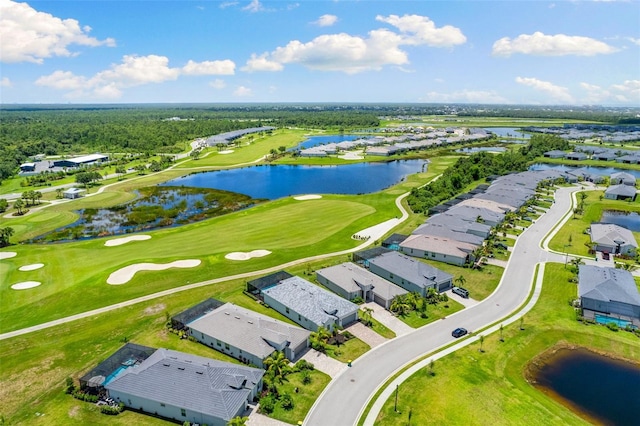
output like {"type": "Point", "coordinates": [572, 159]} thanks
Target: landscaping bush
{"type": "Point", "coordinates": [306, 377]}
{"type": "Point", "coordinates": [111, 410]}
{"type": "Point", "coordinates": [286, 401]}
{"type": "Point", "coordinates": [267, 404]}
{"type": "Point", "coordinates": [613, 326]}
{"type": "Point", "coordinates": [304, 365]}
{"type": "Point", "coordinates": [83, 396]}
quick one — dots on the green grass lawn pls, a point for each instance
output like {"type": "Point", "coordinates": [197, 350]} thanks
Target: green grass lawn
{"type": "Point", "coordinates": [478, 388]}
{"type": "Point", "coordinates": [349, 350]}
{"type": "Point", "coordinates": [303, 399]}
{"type": "Point", "coordinates": [434, 313]}
{"type": "Point", "coordinates": [480, 282]}
{"type": "Point", "coordinates": [381, 329]}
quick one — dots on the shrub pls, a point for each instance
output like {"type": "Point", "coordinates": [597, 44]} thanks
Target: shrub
{"type": "Point", "coordinates": [70, 387]}
{"type": "Point", "coordinates": [287, 402]}
{"type": "Point", "coordinates": [613, 326]}
{"type": "Point", "coordinates": [306, 377]}
{"type": "Point", "coordinates": [267, 404]}
{"type": "Point", "coordinates": [303, 364]}
{"type": "Point", "coordinates": [111, 410]}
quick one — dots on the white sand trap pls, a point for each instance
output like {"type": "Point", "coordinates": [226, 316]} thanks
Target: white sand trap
{"type": "Point", "coordinates": [376, 231]}
{"type": "Point", "coordinates": [25, 285]}
{"type": "Point", "coordinates": [31, 267]}
{"type": "Point", "coordinates": [307, 197]}
{"type": "Point", "coordinates": [125, 240]}
{"type": "Point", "coordinates": [226, 151]}
{"type": "Point", "coordinates": [124, 275]}
{"type": "Point", "coordinates": [7, 254]}
{"type": "Point", "coordinates": [239, 255]}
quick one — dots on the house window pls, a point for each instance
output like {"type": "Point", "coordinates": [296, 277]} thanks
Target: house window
{"type": "Point", "coordinates": [162, 404]}
{"type": "Point", "coordinates": [183, 412]}
{"type": "Point", "coordinates": [287, 310]}
{"type": "Point", "coordinates": [391, 276]}
{"type": "Point", "coordinates": [298, 317]}
{"type": "Point", "coordinates": [433, 255]}
{"type": "Point", "coordinates": [226, 346]}
{"type": "Point", "coordinates": [218, 342]}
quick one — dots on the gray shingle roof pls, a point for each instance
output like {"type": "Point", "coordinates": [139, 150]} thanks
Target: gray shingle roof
{"type": "Point", "coordinates": [248, 330]}
{"type": "Point", "coordinates": [188, 381]}
{"type": "Point", "coordinates": [309, 300]}
{"type": "Point", "coordinates": [441, 230]}
{"type": "Point", "coordinates": [607, 284]}
{"type": "Point", "coordinates": [624, 190]}
{"type": "Point", "coordinates": [608, 234]}
{"type": "Point", "coordinates": [411, 269]}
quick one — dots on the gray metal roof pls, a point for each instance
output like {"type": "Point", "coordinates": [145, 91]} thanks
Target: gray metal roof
{"type": "Point", "coordinates": [191, 382]}
{"type": "Point", "coordinates": [608, 234]}
{"type": "Point", "coordinates": [348, 274]}
{"type": "Point", "coordinates": [411, 269]}
{"type": "Point", "coordinates": [471, 213]}
{"type": "Point", "coordinates": [623, 177]}
{"type": "Point", "coordinates": [248, 330]}
{"type": "Point", "coordinates": [607, 284]}
{"type": "Point", "coordinates": [309, 300]}
{"type": "Point", "coordinates": [439, 245]}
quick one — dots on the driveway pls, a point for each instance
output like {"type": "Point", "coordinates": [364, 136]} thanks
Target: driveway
{"type": "Point", "coordinates": [388, 319]}
{"type": "Point", "coordinates": [467, 303]}
{"type": "Point", "coordinates": [365, 334]}
{"type": "Point", "coordinates": [330, 366]}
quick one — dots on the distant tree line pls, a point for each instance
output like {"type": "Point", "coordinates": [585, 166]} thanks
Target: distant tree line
{"type": "Point", "coordinates": [478, 167]}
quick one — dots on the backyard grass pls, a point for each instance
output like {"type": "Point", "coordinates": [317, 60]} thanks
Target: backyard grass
{"type": "Point", "coordinates": [571, 238]}
{"type": "Point", "coordinates": [473, 387]}
{"type": "Point", "coordinates": [480, 282]}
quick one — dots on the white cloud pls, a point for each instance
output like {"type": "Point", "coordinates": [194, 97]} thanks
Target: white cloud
{"type": "Point", "coordinates": [254, 6]}
{"type": "Point", "coordinates": [326, 20]}
{"type": "Point", "coordinates": [557, 93]}
{"type": "Point", "coordinates": [629, 91]}
{"type": "Point", "coordinates": [218, 84]}
{"type": "Point", "coordinates": [242, 91]}
{"type": "Point", "coordinates": [132, 71]}
{"type": "Point", "coordinates": [5, 82]}
{"type": "Point", "coordinates": [550, 45]}
{"type": "Point", "coordinates": [227, 4]}
{"type": "Point", "coordinates": [225, 67]}
{"type": "Point", "coordinates": [353, 54]}
{"type": "Point", "coordinates": [420, 30]}
{"type": "Point", "coordinates": [634, 40]}
{"type": "Point", "coordinates": [261, 63]}
{"type": "Point", "coordinates": [466, 96]}
{"type": "Point", "coordinates": [31, 36]}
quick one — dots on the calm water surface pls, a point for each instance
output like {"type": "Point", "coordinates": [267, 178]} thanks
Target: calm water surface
{"type": "Point", "coordinates": [629, 220]}
{"type": "Point", "coordinates": [603, 171]}
{"type": "Point", "coordinates": [277, 181]}
{"type": "Point", "coordinates": [601, 388]}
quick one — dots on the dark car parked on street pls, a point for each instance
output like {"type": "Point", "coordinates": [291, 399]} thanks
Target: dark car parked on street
{"type": "Point", "coordinates": [459, 332]}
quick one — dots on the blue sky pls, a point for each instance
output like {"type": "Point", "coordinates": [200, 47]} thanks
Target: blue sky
{"type": "Point", "coordinates": [474, 51]}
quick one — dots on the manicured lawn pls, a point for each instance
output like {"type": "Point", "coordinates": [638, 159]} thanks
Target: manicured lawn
{"type": "Point", "coordinates": [381, 329]}
{"type": "Point", "coordinates": [349, 350]}
{"type": "Point", "coordinates": [303, 399]}
{"type": "Point", "coordinates": [434, 313]}
{"type": "Point", "coordinates": [480, 282]}
{"type": "Point", "coordinates": [472, 387]}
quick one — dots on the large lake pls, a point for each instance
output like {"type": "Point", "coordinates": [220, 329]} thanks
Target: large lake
{"type": "Point", "coordinates": [603, 171]}
{"type": "Point", "coordinates": [277, 181]}
{"type": "Point", "coordinates": [599, 388]}
{"type": "Point", "coordinates": [321, 140]}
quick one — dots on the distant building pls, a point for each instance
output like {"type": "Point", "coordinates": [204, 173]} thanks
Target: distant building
{"type": "Point", "coordinates": [576, 156]}
{"type": "Point", "coordinates": [309, 305]}
{"type": "Point", "coordinates": [623, 178]}
{"type": "Point", "coordinates": [614, 239]}
{"type": "Point", "coordinates": [81, 161]}
{"type": "Point", "coordinates": [73, 193]}
{"type": "Point", "coordinates": [184, 387]}
{"type": "Point", "coordinates": [555, 154]}
{"type": "Point", "coordinates": [27, 167]}
{"type": "Point", "coordinates": [620, 192]}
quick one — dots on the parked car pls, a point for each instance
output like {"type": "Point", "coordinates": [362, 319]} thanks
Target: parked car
{"type": "Point", "coordinates": [462, 292]}
{"type": "Point", "coordinates": [459, 332]}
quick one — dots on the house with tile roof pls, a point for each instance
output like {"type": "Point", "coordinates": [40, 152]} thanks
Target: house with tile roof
{"type": "Point", "coordinates": [622, 178]}
{"type": "Point", "coordinates": [184, 387]}
{"type": "Point", "coordinates": [614, 239]}
{"type": "Point", "coordinates": [609, 291]}
{"type": "Point", "coordinates": [438, 248]}
{"type": "Point", "coordinates": [247, 335]}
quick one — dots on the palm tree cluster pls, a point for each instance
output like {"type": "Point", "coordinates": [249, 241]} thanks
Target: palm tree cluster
{"type": "Point", "coordinates": [403, 304]}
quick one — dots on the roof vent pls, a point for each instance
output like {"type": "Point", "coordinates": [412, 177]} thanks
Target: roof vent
{"type": "Point", "coordinates": [199, 372]}
{"type": "Point", "coordinates": [166, 364]}
{"type": "Point", "coordinates": [250, 322]}
{"type": "Point", "coordinates": [181, 368]}
{"type": "Point", "coordinates": [236, 317]}
{"type": "Point", "coordinates": [226, 313]}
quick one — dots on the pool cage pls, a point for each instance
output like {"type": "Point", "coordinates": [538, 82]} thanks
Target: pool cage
{"type": "Point", "coordinates": [127, 356]}
{"type": "Point", "coordinates": [255, 287]}
{"type": "Point", "coordinates": [180, 321]}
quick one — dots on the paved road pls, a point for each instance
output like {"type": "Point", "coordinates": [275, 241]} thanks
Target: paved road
{"type": "Point", "coordinates": [343, 400]}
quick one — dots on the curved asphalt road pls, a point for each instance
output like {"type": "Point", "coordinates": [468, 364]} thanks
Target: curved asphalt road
{"type": "Point", "coordinates": [343, 400]}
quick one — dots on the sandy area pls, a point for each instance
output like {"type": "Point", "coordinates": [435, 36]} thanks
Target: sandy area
{"type": "Point", "coordinates": [226, 151]}
{"type": "Point", "coordinates": [307, 197]}
{"type": "Point", "coordinates": [352, 155]}
{"type": "Point", "coordinates": [7, 254]}
{"type": "Point", "coordinates": [25, 285]}
{"type": "Point", "coordinates": [125, 240]}
{"type": "Point", "coordinates": [376, 231]}
{"type": "Point", "coordinates": [31, 267]}
{"type": "Point", "coordinates": [124, 275]}
{"type": "Point", "coordinates": [239, 255]}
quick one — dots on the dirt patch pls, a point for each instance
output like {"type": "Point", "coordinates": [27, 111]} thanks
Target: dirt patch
{"type": "Point", "coordinates": [74, 411]}
{"type": "Point", "coordinates": [151, 310]}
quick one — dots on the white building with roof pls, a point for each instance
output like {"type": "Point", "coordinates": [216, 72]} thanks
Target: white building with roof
{"type": "Point", "coordinates": [309, 305]}
{"type": "Point", "coordinates": [247, 335]}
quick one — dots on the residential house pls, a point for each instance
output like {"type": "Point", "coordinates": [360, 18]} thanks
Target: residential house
{"type": "Point", "coordinates": [614, 239]}
{"type": "Point", "coordinates": [73, 193]}
{"type": "Point", "coordinates": [608, 292]}
{"type": "Point", "coordinates": [247, 335]}
{"type": "Point", "coordinates": [350, 280]}
{"type": "Point", "coordinates": [81, 161]}
{"type": "Point", "coordinates": [623, 178]}
{"type": "Point", "coordinates": [440, 249]}
{"type": "Point", "coordinates": [554, 154]}
{"type": "Point", "coordinates": [576, 156]}
{"type": "Point", "coordinates": [186, 388]}
{"type": "Point", "coordinates": [620, 192]}
{"type": "Point", "coordinates": [309, 305]}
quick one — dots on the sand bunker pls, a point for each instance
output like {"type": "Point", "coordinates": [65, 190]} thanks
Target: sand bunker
{"type": "Point", "coordinates": [226, 151]}
{"type": "Point", "coordinates": [124, 275]}
{"type": "Point", "coordinates": [125, 240]}
{"type": "Point", "coordinates": [307, 197]}
{"type": "Point", "coordinates": [25, 285]}
{"type": "Point", "coordinates": [239, 255]}
{"type": "Point", "coordinates": [7, 254]}
{"type": "Point", "coordinates": [31, 267]}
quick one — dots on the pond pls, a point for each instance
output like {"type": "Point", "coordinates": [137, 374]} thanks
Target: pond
{"type": "Point", "coordinates": [510, 132]}
{"type": "Point", "coordinates": [629, 220]}
{"type": "Point", "coordinates": [596, 387]}
{"type": "Point", "coordinates": [277, 181]}
{"type": "Point", "coordinates": [603, 171]}
{"type": "Point", "coordinates": [156, 207]}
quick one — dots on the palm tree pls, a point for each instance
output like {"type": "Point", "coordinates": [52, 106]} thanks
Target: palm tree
{"type": "Point", "coordinates": [481, 337]}
{"type": "Point", "coordinates": [399, 306]}
{"type": "Point", "coordinates": [18, 205]}
{"type": "Point", "coordinates": [238, 421]}
{"type": "Point", "coordinates": [461, 280]}
{"type": "Point", "coordinates": [277, 366]}
{"type": "Point", "coordinates": [5, 234]}
{"type": "Point", "coordinates": [367, 315]}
